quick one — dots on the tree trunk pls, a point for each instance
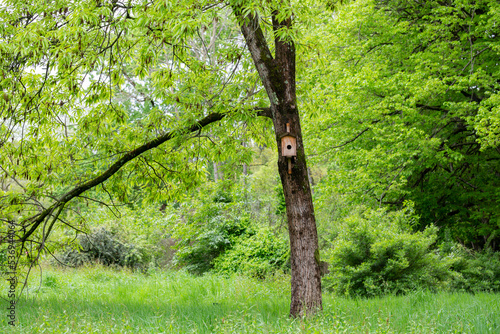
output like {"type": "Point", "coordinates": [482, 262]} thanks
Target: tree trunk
{"type": "Point", "coordinates": [278, 77]}
{"type": "Point", "coordinates": [306, 280]}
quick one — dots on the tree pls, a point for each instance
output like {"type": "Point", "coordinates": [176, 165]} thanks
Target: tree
{"type": "Point", "coordinates": [64, 133]}
{"type": "Point", "coordinates": [413, 111]}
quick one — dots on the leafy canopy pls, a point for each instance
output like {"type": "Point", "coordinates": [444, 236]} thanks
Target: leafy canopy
{"type": "Point", "coordinates": [402, 98]}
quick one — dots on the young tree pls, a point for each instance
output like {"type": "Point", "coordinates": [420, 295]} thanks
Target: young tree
{"type": "Point", "coordinates": [64, 133]}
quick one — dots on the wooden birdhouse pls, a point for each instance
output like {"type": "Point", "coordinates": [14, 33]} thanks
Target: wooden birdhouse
{"type": "Point", "coordinates": [288, 145]}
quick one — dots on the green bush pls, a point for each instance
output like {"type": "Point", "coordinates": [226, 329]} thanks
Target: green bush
{"type": "Point", "coordinates": [198, 247]}
{"type": "Point", "coordinates": [478, 271]}
{"type": "Point", "coordinates": [376, 253]}
{"type": "Point", "coordinates": [219, 229]}
{"type": "Point", "coordinates": [3, 256]}
{"type": "Point", "coordinates": [106, 248]}
{"type": "Point", "coordinates": [257, 255]}
{"type": "Point", "coordinates": [207, 227]}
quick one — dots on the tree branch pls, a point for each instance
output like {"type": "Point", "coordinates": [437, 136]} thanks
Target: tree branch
{"type": "Point", "coordinates": [259, 50]}
{"type": "Point", "coordinates": [350, 140]}
{"type": "Point", "coordinates": [78, 190]}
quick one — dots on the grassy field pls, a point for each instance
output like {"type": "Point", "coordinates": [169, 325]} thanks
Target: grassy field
{"type": "Point", "coordinates": [100, 300]}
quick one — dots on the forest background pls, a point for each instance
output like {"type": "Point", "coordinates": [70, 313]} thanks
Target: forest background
{"type": "Point", "coordinates": [399, 104]}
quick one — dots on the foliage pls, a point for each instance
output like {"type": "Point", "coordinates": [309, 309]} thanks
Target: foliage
{"type": "Point", "coordinates": [281, 208]}
{"type": "Point", "coordinates": [376, 253]}
{"type": "Point", "coordinates": [103, 246]}
{"type": "Point", "coordinates": [136, 236]}
{"type": "Point", "coordinates": [219, 228]}
{"type": "Point", "coordinates": [257, 255]}
{"type": "Point", "coordinates": [197, 249]}
{"type": "Point", "coordinates": [402, 100]}
{"type": "Point", "coordinates": [265, 193]}
{"type": "Point", "coordinates": [209, 229]}
{"type": "Point", "coordinates": [4, 256]}
{"type": "Point", "coordinates": [86, 83]}
{"type": "Point", "coordinates": [478, 271]}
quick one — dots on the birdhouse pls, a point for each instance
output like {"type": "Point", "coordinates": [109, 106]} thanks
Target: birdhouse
{"type": "Point", "coordinates": [288, 145]}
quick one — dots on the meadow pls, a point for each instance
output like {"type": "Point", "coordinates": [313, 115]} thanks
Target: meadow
{"type": "Point", "coordinates": [101, 300]}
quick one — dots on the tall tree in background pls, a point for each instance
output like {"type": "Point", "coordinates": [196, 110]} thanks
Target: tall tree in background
{"type": "Point", "coordinates": [412, 93]}
{"type": "Point", "coordinates": [64, 133]}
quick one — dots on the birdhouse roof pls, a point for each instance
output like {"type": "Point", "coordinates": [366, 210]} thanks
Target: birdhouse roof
{"type": "Point", "coordinates": [287, 134]}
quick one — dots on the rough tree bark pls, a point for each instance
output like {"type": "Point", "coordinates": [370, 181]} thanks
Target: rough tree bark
{"type": "Point", "coordinates": [278, 77]}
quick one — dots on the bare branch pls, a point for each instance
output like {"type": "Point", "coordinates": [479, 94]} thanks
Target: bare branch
{"type": "Point", "coordinates": [351, 140]}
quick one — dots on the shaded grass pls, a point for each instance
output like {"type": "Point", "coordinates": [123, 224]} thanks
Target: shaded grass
{"type": "Point", "coordinates": [100, 300]}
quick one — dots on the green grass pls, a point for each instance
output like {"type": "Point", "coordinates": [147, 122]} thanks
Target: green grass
{"type": "Point", "coordinates": [100, 300]}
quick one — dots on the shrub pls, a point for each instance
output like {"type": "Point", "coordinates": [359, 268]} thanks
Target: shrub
{"type": "Point", "coordinates": [3, 256]}
{"type": "Point", "coordinates": [218, 228]}
{"type": "Point", "coordinates": [206, 227]}
{"type": "Point", "coordinates": [478, 271]}
{"type": "Point", "coordinates": [257, 255]}
{"type": "Point", "coordinates": [106, 248]}
{"type": "Point", "coordinates": [198, 247]}
{"type": "Point", "coordinates": [376, 253]}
